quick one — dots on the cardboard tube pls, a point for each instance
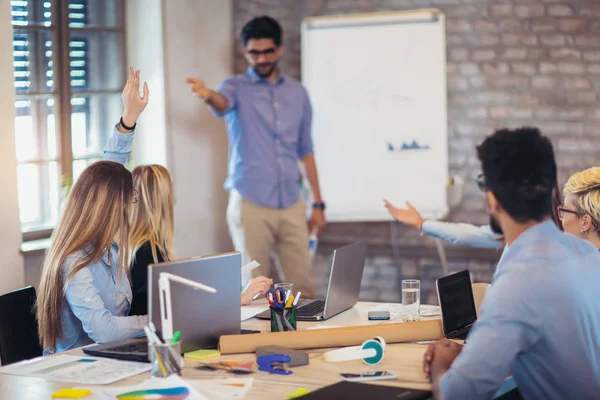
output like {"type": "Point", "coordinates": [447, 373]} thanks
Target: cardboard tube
{"type": "Point", "coordinates": [479, 292]}
{"type": "Point", "coordinates": [335, 337]}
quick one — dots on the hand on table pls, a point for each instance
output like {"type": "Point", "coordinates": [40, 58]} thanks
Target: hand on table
{"type": "Point", "coordinates": [258, 285]}
{"type": "Point", "coordinates": [439, 357]}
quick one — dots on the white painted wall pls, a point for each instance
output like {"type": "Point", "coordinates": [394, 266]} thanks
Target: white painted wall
{"type": "Point", "coordinates": [144, 41]}
{"type": "Point", "coordinates": [11, 261]}
{"type": "Point", "coordinates": [198, 41]}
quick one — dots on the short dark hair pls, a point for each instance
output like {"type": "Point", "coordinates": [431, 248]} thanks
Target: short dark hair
{"type": "Point", "coordinates": [520, 170]}
{"type": "Point", "coordinates": [263, 27]}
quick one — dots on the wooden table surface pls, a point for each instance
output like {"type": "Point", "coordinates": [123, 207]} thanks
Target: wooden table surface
{"type": "Point", "coordinates": [404, 360]}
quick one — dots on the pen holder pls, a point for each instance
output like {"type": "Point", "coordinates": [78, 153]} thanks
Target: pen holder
{"type": "Point", "coordinates": [166, 359]}
{"type": "Point", "coordinates": [283, 320]}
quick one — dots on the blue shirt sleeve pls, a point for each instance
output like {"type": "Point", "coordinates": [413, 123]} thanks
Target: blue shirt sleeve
{"type": "Point", "coordinates": [508, 325]}
{"type": "Point", "coordinates": [305, 145]}
{"type": "Point", "coordinates": [228, 88]}
{"type": "Point", "coordinates": [97, 321]}
{"type": "Point", "coordinates": [464, 234]}
{"type": "Point", "coordinates": [118, 147]}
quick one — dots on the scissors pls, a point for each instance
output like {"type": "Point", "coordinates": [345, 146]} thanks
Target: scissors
{"type": "Point", "coordinates": [276, 298]}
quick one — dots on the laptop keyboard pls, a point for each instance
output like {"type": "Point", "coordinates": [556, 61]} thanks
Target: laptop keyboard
{"type": "Point", "coordinates": [140, 347]}
{"type": "Point", "coordinates": [314, 308]}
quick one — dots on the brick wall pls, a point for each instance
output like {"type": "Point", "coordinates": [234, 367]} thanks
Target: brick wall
{"type": "Point", "coordinates": [510, 63]}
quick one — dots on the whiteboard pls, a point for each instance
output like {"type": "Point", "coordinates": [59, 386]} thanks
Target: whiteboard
{"type": "Point", "coordinates": [377, 84]}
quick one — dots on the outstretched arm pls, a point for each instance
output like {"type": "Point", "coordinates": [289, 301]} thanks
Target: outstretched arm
{"type": "Point", "coordinates": [452, 232]}
{"type": "Point", "coordinates": [214, 99]}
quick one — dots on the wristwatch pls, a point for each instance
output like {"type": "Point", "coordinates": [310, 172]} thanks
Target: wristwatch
{"type": "Point", "coordinates": [319, 205]}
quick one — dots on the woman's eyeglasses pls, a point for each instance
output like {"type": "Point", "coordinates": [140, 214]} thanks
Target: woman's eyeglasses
{"type": "Point", "coordinates": [562, 211]}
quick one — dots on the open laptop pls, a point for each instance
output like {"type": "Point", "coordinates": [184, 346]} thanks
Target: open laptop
{"type": "Point", "coordinates": [457, 305]}
{"type": "Point", "coordinates": [201, 317]}
{"type": "Point", "coordinates": [344, 286]}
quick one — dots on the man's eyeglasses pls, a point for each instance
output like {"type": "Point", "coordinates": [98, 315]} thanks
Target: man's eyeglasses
{"type": "Point", "coordinates": [480, 180]}
{"type": "Point", "coordinates": [266, 52]}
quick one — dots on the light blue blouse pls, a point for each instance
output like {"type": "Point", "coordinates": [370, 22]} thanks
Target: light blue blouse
{"type": "Point", "coordinates": [97, 300]}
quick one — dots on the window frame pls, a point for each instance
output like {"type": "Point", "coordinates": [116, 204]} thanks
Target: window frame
{"type": "Point", "coordinates": [62, 91]}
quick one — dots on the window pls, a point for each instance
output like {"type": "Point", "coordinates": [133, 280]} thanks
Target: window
{"type": "Point", "coordinates": [69, 73]}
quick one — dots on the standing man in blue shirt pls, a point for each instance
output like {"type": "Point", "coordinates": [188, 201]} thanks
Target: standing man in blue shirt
{"type": "Point", "coordinates": [268, 117]}
{"type": "Point", "coordinates": [540, 321]}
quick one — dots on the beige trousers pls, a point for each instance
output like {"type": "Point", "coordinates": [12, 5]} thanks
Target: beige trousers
{"type": "Point", "coordinates": [257, 231]}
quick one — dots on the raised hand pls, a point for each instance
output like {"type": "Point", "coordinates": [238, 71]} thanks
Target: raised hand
{"type": "Point", "coordinates": [133, 104]}
{"type": "Point", "coordinates": [409, 215]}
{"type": "Point", "coordinates": [198, 87]}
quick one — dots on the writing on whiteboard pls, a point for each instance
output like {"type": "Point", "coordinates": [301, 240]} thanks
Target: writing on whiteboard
{"type": "Point", "coordinates": [414, 145]}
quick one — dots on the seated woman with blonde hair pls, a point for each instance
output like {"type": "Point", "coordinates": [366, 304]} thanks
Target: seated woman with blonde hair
{"type": "Point", "coordinates": [152, 233]}
{"type": "Point", "coordinates": [580, 213]}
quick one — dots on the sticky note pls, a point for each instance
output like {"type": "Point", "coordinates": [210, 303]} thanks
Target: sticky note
{"type": "Point", "coordinates": [202, 354]}
{"type": "Point", "coordinates": [298, 393]}
{"type": "Point", "coordinates": [71, 393]}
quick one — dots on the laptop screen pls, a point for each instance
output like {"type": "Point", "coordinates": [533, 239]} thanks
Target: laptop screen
{"type": "Point", "coordinates": [456, 301]}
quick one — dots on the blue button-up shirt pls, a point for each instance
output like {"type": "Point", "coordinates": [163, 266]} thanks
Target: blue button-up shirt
{"type": "Point", "coordinates": [97, 300]}
{"type": "Point", "coordinates": [269, 131]}
{"type": "Point", "coordinates": [540, 321]}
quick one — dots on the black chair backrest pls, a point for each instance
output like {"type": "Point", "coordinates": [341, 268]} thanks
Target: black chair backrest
{"type": "Point", "coordinates": [19, 338]}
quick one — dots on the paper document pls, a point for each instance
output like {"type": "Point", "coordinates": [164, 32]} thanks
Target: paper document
{"type": "Point", "coordinates": [78, 369]}
{"type": "Point", "coordinates": [172, 387]}
{"type": "Point", "coordinates": [246, 269]}
{"type": "Point", "coordinates": [251, 311]}
{"type": "Point", "coordinates": [425, 310]}
{"type": "Point", "coordinates": [224, 389]}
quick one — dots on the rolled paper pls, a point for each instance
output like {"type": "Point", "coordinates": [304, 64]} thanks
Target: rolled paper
{"type": "Point", "coordinates": [335, 337]}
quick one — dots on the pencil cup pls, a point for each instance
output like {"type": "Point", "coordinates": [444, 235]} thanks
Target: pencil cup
{"type": "Point", "coordinates": [283, 320]}
{"type": "Point", "coordinates": [166, 359]}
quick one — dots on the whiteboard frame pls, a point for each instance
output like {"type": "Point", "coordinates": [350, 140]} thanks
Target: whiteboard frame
{"type": "Point", "coordinates": [374, 18]}
{"type": "Point", "coordinates": [433, 15]}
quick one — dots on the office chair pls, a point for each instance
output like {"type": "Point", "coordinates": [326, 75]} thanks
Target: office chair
{"type": "Point", "coordinates": [19, 338]}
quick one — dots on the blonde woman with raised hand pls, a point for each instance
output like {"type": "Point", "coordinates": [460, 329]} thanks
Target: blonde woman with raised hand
{"type": "Point", "coordinates": [580, 213]}
{"type": "Point", "coordinates": [84, 294]}
{"type": "Point", "coordinates": [152, 233]}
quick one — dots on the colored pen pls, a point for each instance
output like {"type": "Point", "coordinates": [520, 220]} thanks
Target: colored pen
{"type": "Point", "coordinates": [296, 299]}
{"type": "Point", "coordinates": [176, 337]}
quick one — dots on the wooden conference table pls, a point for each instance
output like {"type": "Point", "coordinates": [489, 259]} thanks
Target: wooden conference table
{"type": "Point", "coordinates": [405, 360]}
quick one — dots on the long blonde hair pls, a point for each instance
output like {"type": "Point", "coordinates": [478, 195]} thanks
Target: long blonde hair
{"type": "Point", "coordinates": [584, 186]}
{"type": "Point", "coordinates": [96, 213]}
{"type": "Point", "coordinates": [152, 219]}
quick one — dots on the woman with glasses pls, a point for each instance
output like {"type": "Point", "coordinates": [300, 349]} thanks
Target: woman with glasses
{"type": "Point", "coordinates": [84, 294]}
{"type": "Point", "coordinates": [580, 213]}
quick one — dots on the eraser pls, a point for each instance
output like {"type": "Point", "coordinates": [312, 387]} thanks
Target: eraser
{"type": "Point", "coordinates": [298, 358]}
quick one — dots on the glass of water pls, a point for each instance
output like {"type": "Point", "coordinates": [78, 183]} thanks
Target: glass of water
{"type": "Point", "coordinates": [411, 299]}
{"type": "Point", "coordinates": [285, 287]}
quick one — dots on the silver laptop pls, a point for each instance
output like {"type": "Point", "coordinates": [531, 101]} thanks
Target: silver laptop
{"type": "Point", "coordinates": [201, 317]}
{"type": "Point", "coordinates": [344, 285]}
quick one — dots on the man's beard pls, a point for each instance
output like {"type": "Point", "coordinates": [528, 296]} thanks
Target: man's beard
{"type": "Point", "coordinates": [269, 71]}
{"type": "Point", "coordinates": [495, 225]}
